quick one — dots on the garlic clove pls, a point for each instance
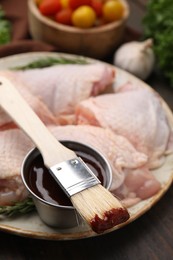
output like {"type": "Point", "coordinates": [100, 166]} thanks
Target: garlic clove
{"type": "Point", "coordinates": [136, 57]}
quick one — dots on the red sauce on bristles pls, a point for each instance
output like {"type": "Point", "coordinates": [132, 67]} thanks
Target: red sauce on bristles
{"type": "Point", "coordinates": [100, 208]}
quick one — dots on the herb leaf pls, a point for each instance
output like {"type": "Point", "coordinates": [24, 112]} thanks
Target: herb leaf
{"type": "Point", "coordinates": [158, 24]}
{"type": "Point", "coordinates": [18, 208]}
{"type": "Point", "coordinates": [47, 62]}
{"type": "Point", "coordinates": [5, 28]}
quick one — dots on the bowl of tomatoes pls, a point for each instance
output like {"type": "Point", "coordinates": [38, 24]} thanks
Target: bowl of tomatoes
{"type": "Point", "coordinates": [92, 28]}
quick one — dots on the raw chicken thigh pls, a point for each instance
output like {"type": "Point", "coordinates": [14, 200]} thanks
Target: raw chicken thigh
{"type": "Point", "coordinates": [117, 149]}
{"type": "Point", "coordinates": [35, 102]}
{"type": "Point", "coordinates": [132, 180]}
{"type": "Point", "coordinates": [137, 115]}
{"type": "Point", "coordinates": [62, 87]}
{"type": "Point", "coordinates": [14, 145]}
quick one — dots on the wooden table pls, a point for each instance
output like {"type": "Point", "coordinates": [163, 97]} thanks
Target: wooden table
{"type": "Point", "coordinates": [149, 237]}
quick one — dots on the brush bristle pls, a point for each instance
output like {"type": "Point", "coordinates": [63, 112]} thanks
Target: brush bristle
{"type": "Point", "coordinates": [99, 208]}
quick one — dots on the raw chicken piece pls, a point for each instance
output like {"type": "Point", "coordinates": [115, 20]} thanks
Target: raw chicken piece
{"type": "Point", "coordinates": [35, 102]}
{"type": "Point", "coordinates": [118, 150]}
{"type": "Point", "coordinates": [136, 114]}
{"type": "Point", "coordinates": [14, 145]}
{"type": "Point", "coordinates": [138, 185]}
{"type": "Point", "coordinates": [132, 180]}
{"type": "Point", "coordinates": [61, 87]}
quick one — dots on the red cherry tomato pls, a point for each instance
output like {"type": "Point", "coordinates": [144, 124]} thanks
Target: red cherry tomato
{"type": "Point", "coordinates": [64, 16]}
{"type": "Point", "coordinates": [50, 7]}
{"type": "Point", "coordinates": [97, 5]}
{"type": "Point", "coordinates": [76, 3]}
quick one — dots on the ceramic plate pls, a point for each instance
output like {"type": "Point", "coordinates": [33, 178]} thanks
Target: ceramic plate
{"type": "Point", "coordinates": [30, 225]}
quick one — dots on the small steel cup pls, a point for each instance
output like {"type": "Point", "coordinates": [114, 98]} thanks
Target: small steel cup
{"type": "Point", "coordinates": [57, 215]}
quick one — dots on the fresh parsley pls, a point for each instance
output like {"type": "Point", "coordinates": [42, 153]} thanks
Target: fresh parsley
{"type": "Point", "coordinates": [158, 25]}
{"type": "Point", "coordinates": [5, 28]}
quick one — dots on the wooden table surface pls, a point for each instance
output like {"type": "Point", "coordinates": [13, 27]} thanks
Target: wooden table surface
{"type": "Point", "coordinates": [149, 237]}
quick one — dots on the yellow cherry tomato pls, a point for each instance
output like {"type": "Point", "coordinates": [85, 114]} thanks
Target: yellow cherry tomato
{"type": "Point", "coordinates": [64, 3]}
{"type": "Point", "coordinates": [84, 17]}
{"type": "Point", "coordinates": [113, 10]}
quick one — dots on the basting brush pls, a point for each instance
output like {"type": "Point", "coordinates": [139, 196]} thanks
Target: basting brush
{"type": "Point", "coordinates": [98, 207]}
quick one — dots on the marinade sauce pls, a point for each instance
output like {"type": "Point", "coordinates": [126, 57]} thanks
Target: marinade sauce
{"type": "Point", "coordinates": [44, 186]}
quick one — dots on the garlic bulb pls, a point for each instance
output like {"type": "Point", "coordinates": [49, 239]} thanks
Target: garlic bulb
{"type": "Point", "coordinates": [136, 58]}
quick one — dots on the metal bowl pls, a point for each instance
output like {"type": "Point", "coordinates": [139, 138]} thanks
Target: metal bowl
{"type": "Point", "coordinates": [57, 215]}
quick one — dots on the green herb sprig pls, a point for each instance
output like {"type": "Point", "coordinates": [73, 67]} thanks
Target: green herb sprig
{"type": "Point", "coordinates": [18, 208]}
{"type": "Point", "coordinates": [158, 25]}
{"type": "Point", "coordinates": [47, 62]}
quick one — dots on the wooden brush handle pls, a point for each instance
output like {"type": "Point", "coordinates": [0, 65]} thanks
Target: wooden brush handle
{"type": "Point", "coordinates": [13, 103]}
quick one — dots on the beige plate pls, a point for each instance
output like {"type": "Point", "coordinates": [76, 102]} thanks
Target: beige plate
{"type": "Point", "coordinates": [30, 225]}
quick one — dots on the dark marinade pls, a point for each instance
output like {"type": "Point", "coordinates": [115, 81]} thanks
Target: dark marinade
{"type": "Point", "coordinates": [44, 186]}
